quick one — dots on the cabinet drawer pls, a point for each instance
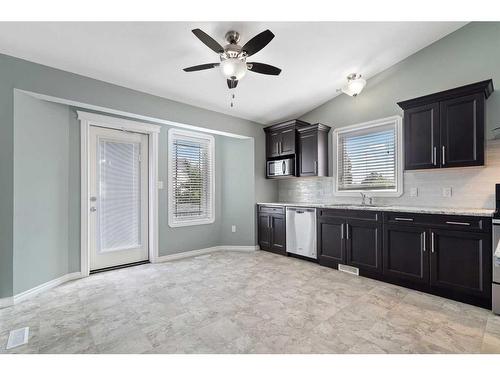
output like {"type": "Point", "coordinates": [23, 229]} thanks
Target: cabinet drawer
{"type": "Point", "coordinates": [350, 214]}
{"type": "Point", "coordinates": [272, 209]}
{"type": "Point", "coordinates": [467, 223]}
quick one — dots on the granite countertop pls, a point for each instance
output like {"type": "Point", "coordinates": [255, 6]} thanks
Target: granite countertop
{"type": "Point", "coordinates": [420, 210]}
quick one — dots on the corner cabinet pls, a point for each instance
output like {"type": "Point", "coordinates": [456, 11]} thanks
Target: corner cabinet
{"type": "Point", "coordinates": [271, 228]}
{"type": "Point", "coordinates": [446, 129]}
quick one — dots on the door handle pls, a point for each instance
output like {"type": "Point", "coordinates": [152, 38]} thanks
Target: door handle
{"type": "Point", "coordinates": [283, 167]}
{"type": "Point", "coordinates": [443, 152]}
{"type": "Point", "coordinates": [434, 156]}
{"type": "Point", "coordinates": [432, 242]}
{"type": "Point", "coordinates": [315, 167]}
{"type": "Point", "coordinates": [93, 209]}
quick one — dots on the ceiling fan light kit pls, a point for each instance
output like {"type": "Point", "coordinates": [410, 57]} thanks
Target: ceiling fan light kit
{"type": "Point", "coordinates": [233, 57]}
{"type": "Point", "coordinates": [355, 84]}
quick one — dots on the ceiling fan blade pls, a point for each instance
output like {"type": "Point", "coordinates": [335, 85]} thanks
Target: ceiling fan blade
{"type": "Point", "coordinates": [208, 41]}
{"type": "Point", "coordinates": [232, 83]}
{"type": "Point", "coordinates": [263, 68]}
{"type": "Point", "coordinates": [258, 42]}
{"type": "Point", "coordinates": [200, 67]}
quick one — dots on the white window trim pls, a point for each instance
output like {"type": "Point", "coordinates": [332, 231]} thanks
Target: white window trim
{"type": "Point", "coordinates": [395, 120]}
{"type": "Point", "coordinates": [87, 120]}
{"type": "Point", "coordinates": [171, 219]}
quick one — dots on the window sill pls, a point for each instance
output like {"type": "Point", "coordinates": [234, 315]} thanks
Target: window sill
{"type": "Point", "coordinates": [190, 223]}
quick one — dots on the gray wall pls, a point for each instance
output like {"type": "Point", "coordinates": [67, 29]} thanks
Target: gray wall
{"type": "Point", "coordinates": [29, 76]}
{"type": "Point", "coordinates": [468, 55]}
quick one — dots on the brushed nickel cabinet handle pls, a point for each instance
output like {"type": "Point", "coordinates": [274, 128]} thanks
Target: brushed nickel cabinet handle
{"type": "Point", "coordinates": [342, 231]}
{"type": "Point", "coordinates": [444, 152]}
{"type": "Point", "coordinates": [347, 231]}
{"type": "Point", "coordinates": [432, 242]}
{"type": "Point", "coordinates": [423, 244]}
{"type": "Point", "coordinates": [457, 223]}
{"type": "Point", "coordinates": [434, 156]}
{"type": "Point", "coordinates": [403, 219]}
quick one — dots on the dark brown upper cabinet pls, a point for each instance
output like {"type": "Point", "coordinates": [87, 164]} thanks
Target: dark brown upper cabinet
{"type": "Point", "coordinates": [306, 143]}
{"type": "Point", "coordinates": [313, 150]}
{"type": "Point", "coordinates": [446, 129]}
{"type": "Point", "coordinates": [281, 139]}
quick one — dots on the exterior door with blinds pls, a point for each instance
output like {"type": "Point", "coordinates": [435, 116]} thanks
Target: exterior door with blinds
{"type": "Point", "coordinates": [118, 186]}
{"type": "Point", "coordinates": [191, 178]}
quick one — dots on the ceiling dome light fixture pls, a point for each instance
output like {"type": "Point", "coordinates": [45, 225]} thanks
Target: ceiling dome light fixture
{"type": "Point", "coordinates": [233, 68]}
{"type": "Point", "coordinates": [355, 84]}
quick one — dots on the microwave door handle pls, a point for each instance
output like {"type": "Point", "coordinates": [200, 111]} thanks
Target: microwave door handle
{"type": "Point", "coordinates": [283, 167]}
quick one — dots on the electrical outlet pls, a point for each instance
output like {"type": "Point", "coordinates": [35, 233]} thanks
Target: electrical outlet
{"type": "Point", "coordinates": [446, 192]}
{"type": "Point", "coordinates": [233, 228]}
{"type": "Point", "coordinates": [414, 192]}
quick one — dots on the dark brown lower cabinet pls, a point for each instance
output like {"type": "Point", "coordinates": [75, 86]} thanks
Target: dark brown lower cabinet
{"type": "Point", "coordinates": [364, 245]}
{"type": "Point", "coordinates": [353, 238]}
{"type": "Point", "coordinates": [405, 253]}
{"type": "Point", "coordinates": [330, 239]}
{"type": "Point", "coordinates": [272, 229]}
{"type": "Point", "coordinates": [448, 262]}
{"type": "Point", "coordinates": [461, 262]}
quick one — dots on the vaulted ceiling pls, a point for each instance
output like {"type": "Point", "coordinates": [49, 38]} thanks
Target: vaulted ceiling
{"type": "Point", "coordinates": [315, 58]}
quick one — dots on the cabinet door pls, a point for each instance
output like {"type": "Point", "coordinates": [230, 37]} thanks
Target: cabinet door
{"type": "Point", "coordinates": [461, 262]}
{"type": "Point", "coordinates": [264, 231]}
{"type": "Point", "coordinates": [462, 131]}
{"type": "Point", "coordinates": [273, 140]}
{"type": "Point", "coordinates": [331, 243]}
{"type": "Point", "coordinates": [364, 245]}
{"type": "Point", "coordinates": [278, 234]}
{"type": "Point", "coordinates": [308, 153]}
{"type": "Point", "coordinates": [287, 142]}
{"type": "Point", "coordinates": [421, 137]}
{"type": "Point", "coordinates": [405, 254]}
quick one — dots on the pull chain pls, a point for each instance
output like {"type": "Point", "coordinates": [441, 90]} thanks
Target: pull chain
{"type": "Point", "coordinates": [232, 100]}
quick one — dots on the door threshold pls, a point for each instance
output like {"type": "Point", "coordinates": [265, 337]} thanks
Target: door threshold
{"type": "Point", "coordinates": [119, 266]}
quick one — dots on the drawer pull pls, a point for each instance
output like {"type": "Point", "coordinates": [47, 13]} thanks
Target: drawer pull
{"type": "Point", "coordinates": [403, 219]}
{"type": "Point", "coordinates": [457, 223]}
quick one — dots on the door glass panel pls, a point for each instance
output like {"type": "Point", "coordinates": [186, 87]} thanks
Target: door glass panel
{"type": "Point", "coordinates": [119, 196]}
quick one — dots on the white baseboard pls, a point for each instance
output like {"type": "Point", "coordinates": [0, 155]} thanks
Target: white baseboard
{"type": "Point", "coordinates": [208, 250]}
{"type": "Point", "coordinates": [45, 286]}
{"type": "Point", "coordinates": [6, 302]}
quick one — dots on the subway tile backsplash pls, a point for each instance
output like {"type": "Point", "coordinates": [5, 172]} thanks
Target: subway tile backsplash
{"type": "Point", "coordinates": [472, 187]}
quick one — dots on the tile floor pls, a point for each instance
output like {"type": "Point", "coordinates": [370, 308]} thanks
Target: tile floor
{"type": "Point", "coordinates": [235, 302]}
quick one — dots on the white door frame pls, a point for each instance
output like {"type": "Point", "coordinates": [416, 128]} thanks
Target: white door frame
{"type": "Point", "coordinates": [87, 120]}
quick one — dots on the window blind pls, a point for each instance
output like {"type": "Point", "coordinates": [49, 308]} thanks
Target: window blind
{"type": "Point", "coordinates": [119, 204]}
{"type": "Point", "coordinates": [192, 175]}
{"type": "Point", "coordinates": [367, 159]}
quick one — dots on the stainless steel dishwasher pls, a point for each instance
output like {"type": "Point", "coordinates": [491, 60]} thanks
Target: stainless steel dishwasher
{"type": "Point", "coordinates": [301, 231]}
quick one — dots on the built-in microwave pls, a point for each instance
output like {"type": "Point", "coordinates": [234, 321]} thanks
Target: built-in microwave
{"type": "Point", "coordinates": [282, 167]}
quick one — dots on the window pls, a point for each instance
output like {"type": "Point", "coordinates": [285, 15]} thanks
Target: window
{"type": "Point", "coordinates": [191, 177]}
{"type": "Point", "coordinates": [369, 158]}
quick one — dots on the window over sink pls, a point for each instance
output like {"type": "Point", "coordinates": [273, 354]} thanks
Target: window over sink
{"type": "Point", "coordinates": [369, 158]}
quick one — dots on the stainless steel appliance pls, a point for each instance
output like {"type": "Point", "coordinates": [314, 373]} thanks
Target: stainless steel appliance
{"type": "Point", "coordinates": [301, 231]}
{"type": "Point", "coordinates": [282, 167]}
{"type": "Point", "coordinates": [496, 255]}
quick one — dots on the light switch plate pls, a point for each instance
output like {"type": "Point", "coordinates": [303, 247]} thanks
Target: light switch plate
{"type": "Point", "coordinates": [446, 192]}
{"type": "Point", "coordinates": [233, 228]}
{"type": "Point", "coordinates": [414, 192]}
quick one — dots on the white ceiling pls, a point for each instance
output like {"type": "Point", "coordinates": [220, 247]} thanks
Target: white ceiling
{"type": "Point", "coordinates": [149, 56]}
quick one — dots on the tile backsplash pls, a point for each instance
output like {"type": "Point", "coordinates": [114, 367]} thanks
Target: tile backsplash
{"type": "Point", "coordinates": [471, 187]}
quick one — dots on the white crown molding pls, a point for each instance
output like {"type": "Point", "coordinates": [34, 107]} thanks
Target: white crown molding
{"type": "Point", "coordinates": [45, 286]}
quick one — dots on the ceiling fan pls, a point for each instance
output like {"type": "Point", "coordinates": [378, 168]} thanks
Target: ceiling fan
{"type": "Point", "coordinates": [233, 57]}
